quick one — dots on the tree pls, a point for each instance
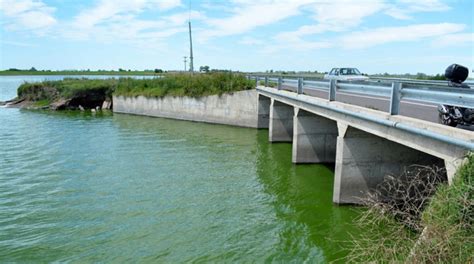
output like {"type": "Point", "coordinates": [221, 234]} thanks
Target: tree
{"type": "Point", "coordinates": [421, 75]}
{"type": "Point", "coordinates": [158, 71]}
{"type": "Point", "coordinates": [204, 69]}
{"type": "Point", "coordinates": [33, 69]}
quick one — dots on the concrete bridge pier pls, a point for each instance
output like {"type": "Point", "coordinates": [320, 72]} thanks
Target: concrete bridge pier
{"type": "Point", "coordinates": [452, 165]}
{"type": "Point", "coordinates": [314, 138]}
{"type": "Point", "coordinates": [363, 160]}
{"type": "Point", "coordinates": [263, 113]}
{"type": "Point", "coordinates": [281, 122]}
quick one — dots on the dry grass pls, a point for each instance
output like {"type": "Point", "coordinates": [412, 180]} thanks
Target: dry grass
{"type": "Point", "coordinates": [417, 218]}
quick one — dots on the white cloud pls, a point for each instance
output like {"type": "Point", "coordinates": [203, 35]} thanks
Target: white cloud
{"type": "Point", "coordinates": [345, 15]}
{"type": "Point", "coordinates": [110, 9]}
{"type": "Point", "coordinates": [249, 15]}
{"type": "Point", "coordinates": [119, 20]}
{"type": "Point", "coordinates": [373, 37]}
{"type": "Point", "coordinates": [178, 18]}
{"type": "Point", "coordinates": [26, 15]}
{"type": "Point", "coordinates": [251, 41]}
{"type": "Point", "coordinates": [16, 43]}
{"type": "Point", "coordinates": [445, 34]}
{"type": "Point", "coordinates": [330, 16]}
{"type": "Point", "coordinates": [404, 8]}
{"type": "Point", "coordinates": [454, 40]}
{"type": "Point", "coordinates": [334, 16]}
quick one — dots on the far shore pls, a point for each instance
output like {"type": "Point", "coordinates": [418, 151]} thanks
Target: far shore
{"type": "Point", "coordinates": [112, 73]}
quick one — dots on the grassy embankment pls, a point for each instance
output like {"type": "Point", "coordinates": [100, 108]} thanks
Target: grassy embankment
{"type": "Point", "coordinates": [184, 85]}
{"type": "Point", "coordinates": [42, 94]}
{"type": "Point", "coordinates": [441, 233]}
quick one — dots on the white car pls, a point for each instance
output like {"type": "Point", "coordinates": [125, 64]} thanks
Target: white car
{"type": "Point", "coordinates": [345, 74]}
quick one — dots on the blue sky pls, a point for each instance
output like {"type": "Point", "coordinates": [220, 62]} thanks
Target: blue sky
{"type": "Point", "coordinates": [374, 35]}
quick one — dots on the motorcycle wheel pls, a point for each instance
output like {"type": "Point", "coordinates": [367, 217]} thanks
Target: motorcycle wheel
{"type": "Point", "coordinates": [446, 121]}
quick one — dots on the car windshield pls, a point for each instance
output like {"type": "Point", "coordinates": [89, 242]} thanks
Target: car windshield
{"type": "Point", "coordinates": [349, 71]}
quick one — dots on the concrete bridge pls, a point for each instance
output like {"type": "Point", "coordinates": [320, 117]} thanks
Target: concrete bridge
{"type": "Point", "coordinates": [365, 144]}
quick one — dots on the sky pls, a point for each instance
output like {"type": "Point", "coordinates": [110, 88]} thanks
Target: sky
{"type": "Point", "coordinates": [376, 36]}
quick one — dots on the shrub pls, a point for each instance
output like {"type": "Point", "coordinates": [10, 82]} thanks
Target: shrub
{"type": "Point", "coordinates": [174, 85]}
{"type": "Point", "coordinates": [417, 219]}
{"type": "Point", "coordinates": [184, 85]}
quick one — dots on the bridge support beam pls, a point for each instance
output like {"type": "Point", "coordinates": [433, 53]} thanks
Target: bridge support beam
{"type": "Point", "coordinates": [263, 111]}
{"type": "Point", "coordinates": [363, 160]}
{"type": "Point", "coordinates": [314, 138]}
{"type": "Point", "coordinates": [281, 122]}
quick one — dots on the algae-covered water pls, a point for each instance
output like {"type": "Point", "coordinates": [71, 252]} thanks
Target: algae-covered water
{"type": "Point", "coordinates": [116, 188]}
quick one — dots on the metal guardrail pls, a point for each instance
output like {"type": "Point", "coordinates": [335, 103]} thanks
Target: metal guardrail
{"type": "Point", "coordinates": [406, 80]}
{"type": "Point", "coordinates": [429, 92]}
{"type": "Point", "coordinates": [389, 123]}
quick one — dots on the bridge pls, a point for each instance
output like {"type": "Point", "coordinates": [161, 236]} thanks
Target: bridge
{"type": "Point", "coordinates": [366, 144]}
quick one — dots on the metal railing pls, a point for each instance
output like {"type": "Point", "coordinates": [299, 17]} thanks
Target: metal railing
{"type": "Point", "coordinates": [406, 80]}
{"type": "Point", "coordinates": [422, 91]}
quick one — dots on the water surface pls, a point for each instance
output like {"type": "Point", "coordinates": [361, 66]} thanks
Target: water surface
{"type": "Point", "coordinates": [117, 188]}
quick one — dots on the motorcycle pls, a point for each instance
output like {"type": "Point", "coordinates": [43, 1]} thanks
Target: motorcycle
{"type": "Point", "coordinates": [453, 115]}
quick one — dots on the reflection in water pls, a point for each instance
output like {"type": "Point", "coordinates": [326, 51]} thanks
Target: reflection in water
{"type": "Point", "coordinates": [303, 201]}
{"type": "Point", "coordinates": [118, 188]}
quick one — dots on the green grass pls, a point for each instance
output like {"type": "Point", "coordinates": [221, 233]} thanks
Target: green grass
{"type": "Point", "coordinates": [447, 222]}
{"type": "Point", "coordinates": [67, 88]}
{"type": "Point", "coordinates": [269, 84]}
{"type": "Point", "coordinates": [42, 103]}
{"type": "Point", "coordinates": [169, 85]}
{"type": "Point", "coordinates": [184, 85]}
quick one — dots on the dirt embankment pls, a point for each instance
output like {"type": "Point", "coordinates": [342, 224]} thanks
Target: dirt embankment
{"type": "Point", "coordinates": [63, 95]}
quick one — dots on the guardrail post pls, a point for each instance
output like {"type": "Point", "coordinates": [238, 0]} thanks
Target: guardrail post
{"type": "Point", "coordinates": [395, 98]}
{"type": "Point", "coordinates": [266, 81]}
{"type": "Point", "coordinates": [300, 85]}
{"type": "Point", "coordinates": [256, 80]}
{"type": "Point", "coordinates": [280, 82]}
{"type": "Point", "coordinates": [332, 90]}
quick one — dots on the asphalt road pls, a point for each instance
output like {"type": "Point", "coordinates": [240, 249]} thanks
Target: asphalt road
{"type": "Point", "coordinates": [424, 111]}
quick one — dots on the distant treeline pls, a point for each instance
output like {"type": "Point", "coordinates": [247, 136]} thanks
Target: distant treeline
{"type": "Point", "coordinates": [318, 74]}
{"type": "Point", "coordinates": [119, 71]}
{"type": "Point", "coordinates": [419, 76]}
{"type": "Point", "coordinates": [203, 69]}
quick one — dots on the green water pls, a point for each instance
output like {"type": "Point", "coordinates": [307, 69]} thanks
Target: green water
{"type": "Point", "coordinates": [117, 188]}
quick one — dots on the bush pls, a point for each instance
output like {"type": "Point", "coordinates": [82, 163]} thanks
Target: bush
{"type": "Point", "coordinates": [67, 88]}
{"type": "Point", "coordinates": [184, 85]}
{"type": "Point", "coordinates": [417, 219]}
{"type": "Point", "coordinates": [449, 235]}
{"type": "Point", "coordinates": [175, 85]}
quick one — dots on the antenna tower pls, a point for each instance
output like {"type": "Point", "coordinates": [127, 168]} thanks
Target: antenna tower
{"type": "Point", "coordinates": [191, 59]}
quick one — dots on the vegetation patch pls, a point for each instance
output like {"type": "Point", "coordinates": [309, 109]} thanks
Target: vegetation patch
{"type": "Point", "coordinates": [418, 218]}
{"type": "Point", "coordinates": [184, 85]}
{"type": "Point", "coordinates": [73, 93]}
{"type": "Point", "coordinates": [42, 103]}
{"type": "Point", "coordinates": [67, 88]}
